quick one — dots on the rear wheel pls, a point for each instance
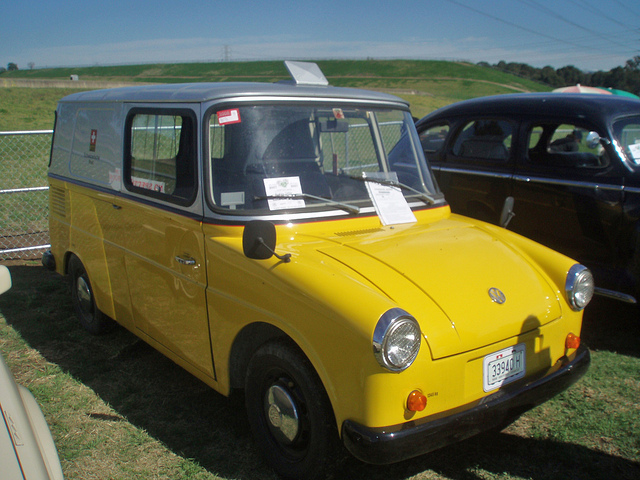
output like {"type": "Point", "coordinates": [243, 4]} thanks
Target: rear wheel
{"type": "Point", "coordinates": [290, 413]}
{"type": "Point", "coordinates": [92, 319]}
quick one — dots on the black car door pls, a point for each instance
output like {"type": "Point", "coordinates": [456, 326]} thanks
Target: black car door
{"type": "Point", "coordinates": [568, 195]}
{"type": "Point", "coordinates": [473, 163]}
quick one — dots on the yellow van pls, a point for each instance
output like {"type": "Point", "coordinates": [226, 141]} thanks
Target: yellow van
{"type": "Point", "coordinates": [289, 239]}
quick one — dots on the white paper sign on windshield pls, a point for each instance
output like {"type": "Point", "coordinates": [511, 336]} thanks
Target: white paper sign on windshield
{"type": "Point", "coordinates": [283, 187]}
{"type": "Point", "coordinates": [389, 202]}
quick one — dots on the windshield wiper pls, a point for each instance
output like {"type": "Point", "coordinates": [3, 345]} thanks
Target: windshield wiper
{"type": "Point", "coordinates": [297, 196]}
{"type": "Point", "coordinates": [393, 183]}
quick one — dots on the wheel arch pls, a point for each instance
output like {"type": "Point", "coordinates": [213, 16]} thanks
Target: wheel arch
{"type": "Point", "coordinates": [67, 259]}
{"type": "Point", "coordinates": [250, 339]}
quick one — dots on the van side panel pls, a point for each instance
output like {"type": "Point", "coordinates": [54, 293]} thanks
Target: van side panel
{"type": "Point", "coordinates": [85, 169]}
{"type": "Point", "coordinates": [96, 153]}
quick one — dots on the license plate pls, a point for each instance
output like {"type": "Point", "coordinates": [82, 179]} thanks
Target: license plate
{"type": "Point", "coordinates": [503, 367]}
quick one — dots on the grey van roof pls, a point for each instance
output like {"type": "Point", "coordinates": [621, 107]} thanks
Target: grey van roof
{"type": "Point", "coordinates": [203, 92]}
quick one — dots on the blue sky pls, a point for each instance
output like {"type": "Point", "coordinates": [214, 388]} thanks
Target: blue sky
{"type": "Point", "coordinates": [589, 34]}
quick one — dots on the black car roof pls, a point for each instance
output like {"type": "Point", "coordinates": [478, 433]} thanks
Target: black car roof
{"type": "Point", "coordinates": [577, 105]}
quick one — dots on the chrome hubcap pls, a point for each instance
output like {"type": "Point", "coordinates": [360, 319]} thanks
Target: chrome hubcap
{"type": "Point", "coordinates": [84, 295]}
{"type": "Point", "coordinates": [282, 414]}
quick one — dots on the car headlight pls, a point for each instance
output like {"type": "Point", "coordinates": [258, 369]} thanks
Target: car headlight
{"type": "Point", "coordinates": [396, 340]}
{"type": "Point", "coordinates": [579, 287]}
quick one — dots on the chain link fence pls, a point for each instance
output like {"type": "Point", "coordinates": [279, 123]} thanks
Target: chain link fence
{"type": "Point", "coordinates": [24, 199]}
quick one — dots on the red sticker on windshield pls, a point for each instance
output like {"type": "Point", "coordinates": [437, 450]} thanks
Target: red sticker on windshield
{"type": "Point", "coordinates": [227, 117]}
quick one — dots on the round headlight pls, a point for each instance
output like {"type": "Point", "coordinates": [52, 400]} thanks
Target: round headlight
{"type": "Point", "coordinates": [396, 340]}
{"type": "Point", "coordinates": [579, 287]}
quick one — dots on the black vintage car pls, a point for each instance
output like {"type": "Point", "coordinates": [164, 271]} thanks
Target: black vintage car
{"type": "Point", "coordinates": [570, 162]}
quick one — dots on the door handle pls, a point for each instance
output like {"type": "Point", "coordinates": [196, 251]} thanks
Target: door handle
{"type": "Point", "coordinates": [185, 260]}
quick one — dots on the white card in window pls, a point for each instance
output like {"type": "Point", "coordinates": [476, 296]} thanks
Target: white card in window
{"type": "Point", "coordinates": [634, 148]}
{"type": "Point", "coordinates": [115, 179]}
{"type": "Point", "coordinates": [231, 199]}
{"type": "Point", "coordinates": [148, 184]}
{"type": "Point", "coordinates": [389, 202]}
{"type": "Point", "coordinates": [281, 188]}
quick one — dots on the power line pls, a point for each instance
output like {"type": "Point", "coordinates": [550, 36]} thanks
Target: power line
{"type": "Point", "coordinates": [626, 6]}
{"type": "Point", "coordinates": [556, 15]}
{"type": "Point", "coordinates": [511, 24]}
{"type": "Point", "coordinates": [557, 40]}
{"type": "Point", "coordinates": [603, 14]}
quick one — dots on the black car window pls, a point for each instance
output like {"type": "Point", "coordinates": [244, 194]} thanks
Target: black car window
{"type": "Point", "coordinates": [485, 139]}
{"type": "Point", "coordinates": [563, 145]}
{"type": "Point", "coordinates": [432, 140]}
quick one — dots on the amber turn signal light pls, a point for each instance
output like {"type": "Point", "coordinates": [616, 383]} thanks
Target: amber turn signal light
{"type": "Point", "coordinates": [416, 402]}
{"type": "Point", "coordinates": [572, 341]}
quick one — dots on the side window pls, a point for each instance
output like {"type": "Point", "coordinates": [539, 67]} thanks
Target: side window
{"type": "Point", "coordinates": [485, 139]}
{"type": "Point", "coordinates": [566, 138]}
{"type": "Point", "coordinates": [161, 155]}
{"type": "Point", "coordinates": [563, 145]}
{"type": "Point", "coordinates": [432, 140]}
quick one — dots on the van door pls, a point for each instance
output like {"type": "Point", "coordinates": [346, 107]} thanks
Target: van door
{"type": "Point", "coordinates": [161, 214]}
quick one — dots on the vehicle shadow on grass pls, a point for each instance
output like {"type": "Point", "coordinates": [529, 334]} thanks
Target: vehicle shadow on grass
{"type": "Point", "coordinates": [195, 422]}
{"type": "Point", "coordinates": [505, 456]}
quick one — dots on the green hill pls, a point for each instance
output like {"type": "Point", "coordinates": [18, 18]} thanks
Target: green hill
{"type": "Point", "coordinates": [427, 85]}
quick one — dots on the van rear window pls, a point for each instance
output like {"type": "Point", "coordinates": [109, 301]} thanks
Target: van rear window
{"type": "Point", "coordinates": [160, 159]}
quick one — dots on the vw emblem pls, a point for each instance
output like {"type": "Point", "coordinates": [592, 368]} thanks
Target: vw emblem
{"type": "Point", "coordinates": [497, 296]}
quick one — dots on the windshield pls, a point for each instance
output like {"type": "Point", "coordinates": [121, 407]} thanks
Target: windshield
{"type": "Point", "coordinates": [277, 158]}
{"type": "Point", "coordinates": [627, 133]}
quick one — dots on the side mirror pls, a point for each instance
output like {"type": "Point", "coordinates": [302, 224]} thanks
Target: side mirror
{"type": "Point", "coordinates": [259, 241]}
{"type": "Point", "coordinates": [507, 212]}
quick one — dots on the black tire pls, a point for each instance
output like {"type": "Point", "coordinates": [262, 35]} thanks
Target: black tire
{"type": "Point", "coordinates": [290, 414]}
{"type": "Point", "coordinates": [84, 304]}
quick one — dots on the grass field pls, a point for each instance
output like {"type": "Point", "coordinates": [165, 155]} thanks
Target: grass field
{"type": "Point", "coordinates": [120, 410]}
{"type": "Point", "coordinates": [29, 108]}
{"type": "Point", "coordinates": [427, 85]}
{"type": "Point", "coordinates": [337, 71]}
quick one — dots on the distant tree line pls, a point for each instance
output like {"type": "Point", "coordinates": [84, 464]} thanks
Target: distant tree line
{"type": "Point", "coordinates": [622, 78]}
{"type": "Point", "coordinates": [10, 67]}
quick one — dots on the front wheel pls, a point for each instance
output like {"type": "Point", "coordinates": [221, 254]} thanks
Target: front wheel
{"type": "Point", "coordinates": [290, 414]}
{"type": "Point", "coordinates": [84, 303]}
